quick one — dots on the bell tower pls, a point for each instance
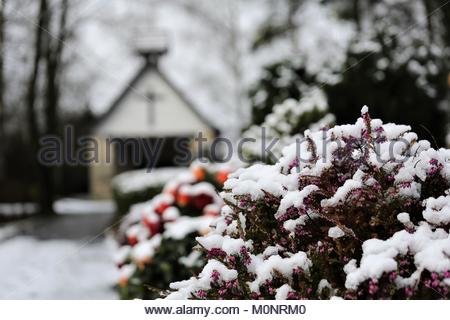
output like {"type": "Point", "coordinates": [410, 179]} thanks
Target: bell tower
{"type": "Point", "coordinates": [152, 47]}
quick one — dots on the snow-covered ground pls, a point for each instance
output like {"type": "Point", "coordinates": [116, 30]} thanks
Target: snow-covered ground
{"type": "Point", "coordinates": [61, 206]}
{"type": "Point", "coordinates": [7, 232]}
{"type": "Point", "coordinates": [56, 269]}
{"type": "Point", "coordinates": [83, 206]}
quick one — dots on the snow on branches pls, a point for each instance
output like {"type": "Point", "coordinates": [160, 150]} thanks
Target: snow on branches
{"type": "Point", "coordinates": [357, 212]}
{"type": "Point", "coordinates": [284, 123]}
{"type": "Point", "coordinates": [157, 237]}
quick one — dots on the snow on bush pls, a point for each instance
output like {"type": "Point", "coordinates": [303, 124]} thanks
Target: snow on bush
{"type": "Point", "coordinates": [357, 212]}
{"type": "Point", "coordinates": [285, 122]}
{"type": "Point", "coordinates": [412, 51]}
{"type": "Point", "coordinates": [157, 237]}
{"type": "Point", "coordinates": [136, 186]}
{"type": "Point", "coordinates": [137, 180]}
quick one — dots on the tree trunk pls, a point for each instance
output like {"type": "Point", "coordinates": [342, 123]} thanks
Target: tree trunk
{"type": "Point", "coordinates": [446, 21]}
{"type": "Point", "coordinates": [429, 8]}
{"type": "Point", "coordinates": [53, 58]}
{"type": "Point", "coordinates": [41, 43]}
{"type": "Point", "coordinates": [2, 88]}
{"type": "Point", "coordinates": [357, 14]}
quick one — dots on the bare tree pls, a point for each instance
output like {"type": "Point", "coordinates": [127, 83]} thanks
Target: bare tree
{"type": "Point", "coordinates": [224, 24]}
{"type": "Point", "coordinates": [356, 9]}
{"type": "Point", "coordinates": [54, 70]}
{"type": "Point", "coordinates": [445, 11]}
{"type": "Point", "coordinates": [46, 66]}
{"type": "Point", "coordinates": [2, 104]}
{"type": "Point", "coordinates": [429, 9]}
{"type": "Point", "coordinates": [32, 91]}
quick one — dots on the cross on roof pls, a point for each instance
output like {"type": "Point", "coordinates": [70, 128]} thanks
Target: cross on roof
{"type": "Point", "coordinates": [152, 98]}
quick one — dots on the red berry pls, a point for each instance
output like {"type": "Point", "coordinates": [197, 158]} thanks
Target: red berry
{"type": "Point", "coordinates": [222, 176]}
{"type": "Point", "coordinates": [153, 225]}
{"type": "Point", "coordinates": [199, 173]}
{"type": "Point", "coordinates": [161, 208]}
{"type": "Point", "coordinates": [132, 240]}
{"type": "Point", "coordinates": [202, 200]}
{"type": "Point", "coordinates": [183, 199]}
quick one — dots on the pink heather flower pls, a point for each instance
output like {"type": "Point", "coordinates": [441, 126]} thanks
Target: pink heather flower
{"type": "Point", "coordinates": [405, 184]}
{"type": "Point", "coordinates": [201, 294]}
{"type": "Point", "coordinates": [222, 291]}
{"type": "Point", "coordinates": [379, 130]}
{"type": "Point", "coordinates": [447, 274]}
{"type": "Point", "coordinates": [409, 291]}
{"type": "Point", "coordinates": [293, 164]}
{"type": "Point", "coordinates": [246, 256]}
{"type": "Point", "coordinates": [283, 217]}
{"type": "Point", "coordinates": [297, 271]}
{"type": "Point", "coordinates": [393, 276]}
{"type": "Point", "coordinates": [292, 212]}
{"type": "Point", "coordinates": [255, 296]}
{"type": "Point", "coordinates": [216, 253]}
{"type": "Point", "coordinates": [373, 287]}
{"type": "Point", "coordinates": [215, 275]}
{"type": "Point", "coordinates": [307, 202]}
{"type": "Point", "coordinates": [366, 117]}
{"type": "Point", "coordinates": [365, 134]}
{"type": "Point", "coordinates": [268, 282]}
{"type": "Point", "coordinates": [377, 186]}
{"type": "Point", "coordinates": [243, 203]}
{"type": "Point", "coordinates": [403, 262]}
{"type": "Point", "coordinates": [292, 295]}
{"type": "Point", "coordinates": [228, 220]}
{"type": "Point", "coordinates": [434, 162]}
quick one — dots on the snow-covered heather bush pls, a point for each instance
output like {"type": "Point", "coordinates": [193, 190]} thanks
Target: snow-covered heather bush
{"type": "Point", "coordinates": [358, 212]}
{"type": "Point", "coordinates": [284, 124]}
{"type": "Point", "coordinates": [157, 237]}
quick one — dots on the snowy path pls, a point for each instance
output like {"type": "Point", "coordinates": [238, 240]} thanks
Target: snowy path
{"type": "Point", "coordinates": [56, 258]}
{"type": "Point", "coordinates": [56, 269]}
